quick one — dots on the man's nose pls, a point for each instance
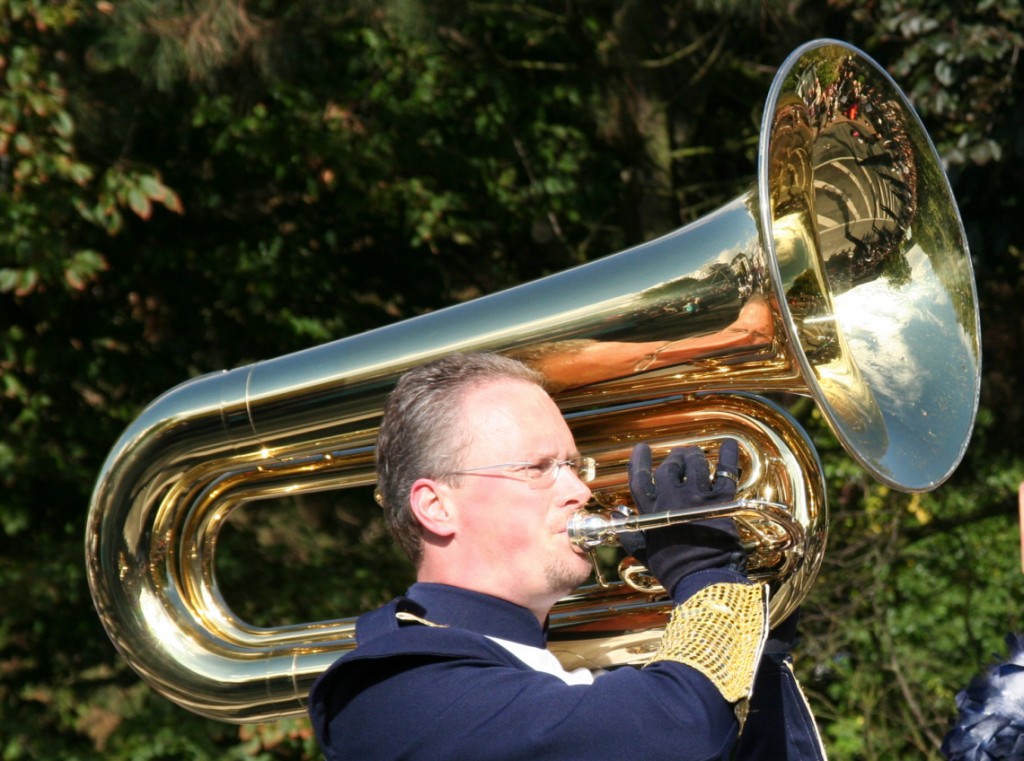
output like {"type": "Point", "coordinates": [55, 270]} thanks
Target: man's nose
{"type": "Point", "coordinates": [579, 492]}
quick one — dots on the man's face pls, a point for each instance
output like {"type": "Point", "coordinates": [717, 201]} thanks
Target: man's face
{"type": "Point", "coordinates": [518, 533]}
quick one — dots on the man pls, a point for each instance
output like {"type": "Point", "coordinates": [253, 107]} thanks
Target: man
{"type": "Point", "coordinates": [478, 474]}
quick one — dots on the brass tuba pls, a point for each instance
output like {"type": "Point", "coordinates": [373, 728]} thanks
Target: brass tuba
{"type": "Point", "coordinates": [843, 274]}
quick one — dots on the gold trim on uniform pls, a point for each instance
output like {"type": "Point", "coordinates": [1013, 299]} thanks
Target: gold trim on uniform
{"type": "Point", "coordinates": [413, 618]}
{"type": "Point", "coordinates": [720, 632]}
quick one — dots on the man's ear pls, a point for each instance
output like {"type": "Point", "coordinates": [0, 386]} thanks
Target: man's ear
{"type": "Point", "coordinates": [432, 507]}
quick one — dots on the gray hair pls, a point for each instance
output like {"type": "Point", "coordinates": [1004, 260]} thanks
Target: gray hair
{"type": "Point", "coordinates": [422, 434]}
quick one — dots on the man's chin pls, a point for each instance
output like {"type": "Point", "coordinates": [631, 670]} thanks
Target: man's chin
{"type": "Point", "coordinates": [566, 577]}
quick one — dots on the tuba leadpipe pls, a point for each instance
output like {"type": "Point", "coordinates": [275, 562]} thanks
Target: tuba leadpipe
{"type": "Point", "coordinates": [595, 528]}
{"type": "Point", "coordinates": [841, 274]}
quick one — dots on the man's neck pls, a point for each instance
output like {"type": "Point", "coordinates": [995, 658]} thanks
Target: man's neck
{"type": "Point", "coordinates": [505, 592]}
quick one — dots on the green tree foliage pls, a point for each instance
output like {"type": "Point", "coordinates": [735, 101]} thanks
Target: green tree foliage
{"type": "Point", "coordinates": [189, 186]}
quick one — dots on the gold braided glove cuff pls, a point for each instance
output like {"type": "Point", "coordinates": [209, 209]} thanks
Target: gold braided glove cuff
{"type": "Point", "coordinates": [720, 632]}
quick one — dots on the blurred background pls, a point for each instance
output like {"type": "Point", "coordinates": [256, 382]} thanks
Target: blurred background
{"type": "Point", "coordinates": [192, 186]}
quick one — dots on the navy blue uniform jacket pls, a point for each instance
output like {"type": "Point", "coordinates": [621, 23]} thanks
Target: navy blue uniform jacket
{"type": "Point", "coordinates": [410, 691]}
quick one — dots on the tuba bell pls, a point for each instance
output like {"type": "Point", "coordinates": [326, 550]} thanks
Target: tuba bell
{"type": "Point", "coordinates": [842, 274]}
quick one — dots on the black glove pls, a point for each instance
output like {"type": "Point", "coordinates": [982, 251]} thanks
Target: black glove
{"type": "Point", "coordinates": [683, 480]}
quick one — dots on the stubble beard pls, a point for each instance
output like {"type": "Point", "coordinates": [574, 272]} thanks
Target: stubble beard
{"type": "Point", "coordinates": [564, 576]}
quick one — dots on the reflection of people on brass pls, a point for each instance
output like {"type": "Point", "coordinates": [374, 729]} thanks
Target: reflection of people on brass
{"type": "Point", "coordinates": [865, 180]}
{"type": "Point", "coordinates": [575, 363]}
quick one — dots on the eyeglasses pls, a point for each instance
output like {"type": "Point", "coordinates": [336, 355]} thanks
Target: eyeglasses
{"type": "Point", "coordinates": [541, 473]}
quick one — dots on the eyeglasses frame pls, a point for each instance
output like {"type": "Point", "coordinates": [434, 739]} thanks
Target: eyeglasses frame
{"type": "Point", "coordinates": [583, 467]}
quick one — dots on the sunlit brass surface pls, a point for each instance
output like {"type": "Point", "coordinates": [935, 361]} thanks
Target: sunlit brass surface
{"type": "Point", "coordinates": [842, 274]}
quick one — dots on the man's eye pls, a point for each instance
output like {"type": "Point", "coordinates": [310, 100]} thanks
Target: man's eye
{"type": "Point", "coordinates": [539, 468]}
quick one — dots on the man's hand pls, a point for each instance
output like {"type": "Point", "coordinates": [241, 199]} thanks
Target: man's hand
{"type": "Point", "coordinates": [683, 480]}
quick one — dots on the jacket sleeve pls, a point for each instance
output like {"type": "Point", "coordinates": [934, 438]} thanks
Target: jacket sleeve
{"type": "Point", "coordinates": [412, 706]}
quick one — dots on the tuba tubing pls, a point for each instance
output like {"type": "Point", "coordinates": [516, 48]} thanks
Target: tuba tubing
{"type": "Point", "coordinates": [595, 528]}
{"type": "Point", "coordinates": [836, 276]}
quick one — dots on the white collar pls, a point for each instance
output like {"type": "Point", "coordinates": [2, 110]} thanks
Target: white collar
{"type": "Point", "coordinates": [540, 659]}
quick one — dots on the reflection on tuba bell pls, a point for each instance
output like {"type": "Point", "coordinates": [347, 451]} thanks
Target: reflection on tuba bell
{"type": "Point", "coordinates": [843, 274]}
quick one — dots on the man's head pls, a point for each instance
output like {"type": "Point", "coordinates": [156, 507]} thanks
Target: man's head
{"type": "Point", "coordinates": [423, 433]}
{"type": "Point", "coordinates": [491, 527]}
